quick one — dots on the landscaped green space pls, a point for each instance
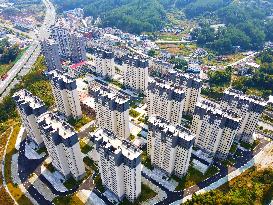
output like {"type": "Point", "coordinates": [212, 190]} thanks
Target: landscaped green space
{"type": "Point", "coordinates": [78, 123]}
{"type": "Point", "coordinates": [133, 113]}
{"type": "Point", "coordinates": [85, 148]}
{"type": "Point", "coordinates": [145, 160]}
{"type": "Point", "coordinates": [193, 177]}
{"type": "Point", "coordinates": [252, 187]}
{"type": "Point", "coordinates": [68, 200]}
{"type": "Point", "coordinates": [90, 163]}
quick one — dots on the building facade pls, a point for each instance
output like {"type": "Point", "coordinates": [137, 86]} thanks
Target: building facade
{"type": "Point", "coordinates": [165, 100]}
{"type": "Point", "coordinates": [119, 165]}
{"type": "Point", "coordinates": [104, 62]}
{"type": "Point", "coordinates": [135, 73]}
{"type": "Point", "coordinates": [112, 111]}
{"type": "Point", "coordinates": [30, 108]}
{"type": "Point", "coordinates": [51, 54]}
{"type": "Point", "coordinates": [215, 128]}
{"type": "Point", "coordinates": [191, 86]}
{"type": "Point", "coordinates": [248, 107]}
{"type": "Point", "coordinates": [63, 146]}
{"type": "Point", "coordinates": [78, 51]}
{"type": "Point", "coordinates": [71, 45]}
{"type": "Point", "coordinates": [169, 146]}
{"type": "Point", "coordinates": [65, 93]}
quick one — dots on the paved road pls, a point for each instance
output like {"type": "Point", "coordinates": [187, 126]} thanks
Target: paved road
{"type": "Point", "coordinates": [28, 59]}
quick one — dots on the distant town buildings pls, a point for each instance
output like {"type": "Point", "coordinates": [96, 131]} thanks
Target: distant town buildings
{"type": "Point", "coordinates": [50, 51]}
{"type": "Point", "coordinates": [62, 144]}
{"type": "Point", "coordinates": [215, 128]}
{"type": "Point", "coordinates": [112, 111]}
{"type": "Point", "coordinates": [30, 108]}
{"type": "Point", "coordinates": [249, 108]}
{"type": "Point", "coordinates": [191, 86]}
{"type": "Point", "coordinates": [165, 100]}
{"type": "Point", "coordinates": [169, 146]}
{"type": "Point", "coordinates": [119, 165]}
{"type": "Point", "coordinates": [65, 92]}
{"type": "Point", "coordinates": [104, 62]}
{"type": "Point", "coordinates": [135, 74]}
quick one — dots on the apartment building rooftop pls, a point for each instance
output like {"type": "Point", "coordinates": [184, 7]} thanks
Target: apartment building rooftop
{"type": "Point", "coordinates": [111, 143]}
{"type": "Point", "coordinates": [170, 130]}
{"type": "Point", "coordinates": [163, 86]}
{"type": "Point", "coordinates": [240, 96]}
{"type": "Point", "coordinates": [107, 93]}
{"type": "Point", "coordinates": [136, 60]}
{"type": "Point", "coordinates": [53, 124]}
{"type": "Point", "coordinates": [215, 109]}
{"type": "Point", "coordinates": [25, 97]}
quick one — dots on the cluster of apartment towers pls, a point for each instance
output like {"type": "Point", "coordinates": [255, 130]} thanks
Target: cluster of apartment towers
{"type": "Point", "coordinates": [169, 96]}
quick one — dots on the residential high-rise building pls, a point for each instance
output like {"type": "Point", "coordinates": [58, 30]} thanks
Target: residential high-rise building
{"type": "Point", "coordinates": [119, 165]}
{"type": "Point", "coordinates": [71, 44]}
{"type": "Point", "coordinates": [63, 146]}
{"type": "Point", "coordinates": [190, 84]}
{"type": "Point", "coordinates": [112, 111]}
{"type": "Point", "coordinates": [160, 67]}
{"type": "Point", "coordinates": [165, 100]}
{"type": "Point", "coordinates": [169, 146]}
{"type": "Point", "coordinates": [135, 74]}
{"type": "Point", "coordinates": [215, 128]}
{"type": "Point", "coordinates": [78, 52]}
{"type": "Point", "coordinates": [65, 93]}
{"type": "Point", "coordinates": [104, 62]}
{"type": "Point", "coordinates": [249, 108]}
{"type": "Point", "coordinates": [51, 54]}
{"type": "Point", "coordinates": [61, 36]}
{"type": "Point", "coordinates": [30, 108]}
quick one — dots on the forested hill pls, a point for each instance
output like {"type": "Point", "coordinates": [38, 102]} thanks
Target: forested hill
{"type": "Point", "coordinates": [136, 16]}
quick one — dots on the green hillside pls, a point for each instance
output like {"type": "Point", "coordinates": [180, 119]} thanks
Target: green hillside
{"type": "Point", "coordinates": [136, 16]}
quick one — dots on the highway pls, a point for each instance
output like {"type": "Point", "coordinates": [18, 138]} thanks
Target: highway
{"type": "Point", "coordinates": [25, 63]}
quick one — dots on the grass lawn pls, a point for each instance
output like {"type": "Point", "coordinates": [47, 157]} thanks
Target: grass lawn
{"type": "Point", "coordinates": [90, 163]}
{"type": "Point", "coordinates": [133, 113]}
{"type": "Point", "coordinates": [78, 123]}
{"type": "Point", "coordinates": [193, 177]}
{"type": "Point", "coordinates": [68, 200]}
{"type": "Point", "coordinates": [4, 68]}
{"type": "Point", "coordinates": [85, 148]}
{"type": "Point", "coordinates": [146, 161]}
{"type": "Point", "coordinates": [41, 150]}
{"type": "Point", "coordinates": [146, 194]}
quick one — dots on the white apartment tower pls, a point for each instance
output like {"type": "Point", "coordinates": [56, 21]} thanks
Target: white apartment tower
{"type": "Point", "coordinates": [169, 146]}
{"type": "Point", "coordinates": [30, 108]}
{"type": "Point", "coordinates": [165, 100]}
{"type": "Point", "coordinates": [65, 93]}
{"type": "Point", "coordinates": [112, 111]}
{"type": "Point", "coordinates": [249, 108]}
{"type": "Point", "coordinates": [63, 146]}
{"type": "Point", "coordinates": [135, 73]}
{"type": "Point", "coordinates": [104, 62]}
{"type": "Point", "coordinates": [51, 54]}
{"type": "Point", "coordinates": [215, 129]}
{"type": "Point", "coordinates": [191, 86]}
{"type": "Point", "coordinates": [119, 165]}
